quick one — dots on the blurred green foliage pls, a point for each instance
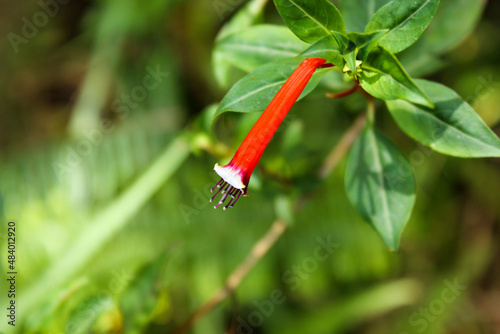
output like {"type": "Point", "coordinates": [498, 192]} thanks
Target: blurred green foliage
{"type": "Point", "coordinates": [122, 239]}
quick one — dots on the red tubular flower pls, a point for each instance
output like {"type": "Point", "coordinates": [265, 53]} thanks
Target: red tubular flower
{"type": "Point", "coordinates": [236, 174]}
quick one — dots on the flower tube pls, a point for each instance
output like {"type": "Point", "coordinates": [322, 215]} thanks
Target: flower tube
{"type": "Point", "coordinates": [236, 174]}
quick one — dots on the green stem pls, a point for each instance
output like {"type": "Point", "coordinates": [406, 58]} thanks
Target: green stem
{"type": "Point", "coordinates": [105, 225]}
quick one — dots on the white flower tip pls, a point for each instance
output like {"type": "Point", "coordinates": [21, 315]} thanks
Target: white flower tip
{"type": "Point", "coordinates": [231, 175]}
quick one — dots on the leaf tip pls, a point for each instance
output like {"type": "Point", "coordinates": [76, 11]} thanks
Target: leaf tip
{"type": "Point", "coordinates": [429, 103]}
{"type": "Point", "coordinates": [392, 245]}
{"type": "Point", "coordinates": [219, 111]}
{"type": "Point", "coordinates": [394, 249]}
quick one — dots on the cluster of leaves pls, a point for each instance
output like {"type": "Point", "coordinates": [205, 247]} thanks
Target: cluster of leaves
{"type": "Point", "coordinates": [379, 180]}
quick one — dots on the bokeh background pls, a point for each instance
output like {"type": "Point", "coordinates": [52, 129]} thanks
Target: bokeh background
{"type": "Point", "coordinates": [107, 153]}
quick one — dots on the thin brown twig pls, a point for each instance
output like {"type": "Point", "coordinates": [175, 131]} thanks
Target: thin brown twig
{"type": "Point", "coordinates": [258, 251]}
{"type": "Point", "coordinates": [342, 147]}
{"type": "Point", "coordinates": [344, 93]}
{"type": "Point", "coordinates": [335, 156]}
{"type": "Point", "coordinates": [232, 328]}
{"type": "Point", "coordinates": [273, 234]}
{"type": "Point", "coordinates": [326, 65]}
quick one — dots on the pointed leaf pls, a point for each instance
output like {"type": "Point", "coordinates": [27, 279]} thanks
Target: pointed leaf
{"type": "Point", "coordinates": [346, 45]}
{"type": "Point", "coordinates": [380, 184]}
{"type": "Point", "coordinates": [247, 16]}
{"type": "Point", "coordinates": [348, 51]}
{"type": "Point", "coordinates": [442, 35]}
{"type": "Point", "coordinates": [357, 13]}
{"type": "Point", "coordinates": [259, 45]}
{"type": "Point", "coordinates": [327, 48]}
{"type": "Point", "coordinates": [350, 60]}
{"type": "Point", "coordinates": [310, 20]}
{"type": "Point", "coordinates": [406, 20]}
{"type": "Point", "coordinates": [452, 128]}
{"type": "Point", "coordinates": [384, 77]}
{"type": "Point", "coordinates": [365, 41]}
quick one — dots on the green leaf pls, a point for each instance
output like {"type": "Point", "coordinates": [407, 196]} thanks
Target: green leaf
{"type": "Point", "coordinates": [257, 89]}
{"type": "Point", "coordinates": [452, 127]}
{"type": "Point", "coordinates": [327, 48]}
{"type": "Point", "coordinates": [203, 122]}
{"type": "Point", "coordinates": [350, 60]}
{"type": "Point", "coordinates": [380, 184]}
{"type": "Point", "coordinates": [223, 69]}
{"type": "Point", "coordinates": [346, 45]}
{"type": "Point", "coordinates": [247, 16]}
{"type": "Point", "coordinates": [454, 20]}
{"type": "Point", "coordinates": [357, 13]}
{"type": "Point", "coordinates": [348, 51]}
{"type": "Point", "coordinates": [385, 78]}
{"type": "Point", "coordinates": [310, 20]}
{"type": "Point", "coordinates": [406, 20]}
{"type": "Point", "coordinates": [336, 48]}
{"type": "Point", "coordinates": [442, 35]}
{"type": "Point", "coordinates": [258, 45]}
{"type": "Point", "coordinates": [365, 41]}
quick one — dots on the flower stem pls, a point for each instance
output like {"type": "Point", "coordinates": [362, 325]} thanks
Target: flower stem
{"type": "Point", "coordinates": [345, 93]}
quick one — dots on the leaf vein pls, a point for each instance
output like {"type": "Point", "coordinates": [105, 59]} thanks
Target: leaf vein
{"type": "Point", "coordinates": [452, 127]}
{"type": "Point", "coordinates": [407, 19]}
{"type": "Point", "coordinates": [311, 17]}
{"type": "Point", "coordinates": [380, 176]}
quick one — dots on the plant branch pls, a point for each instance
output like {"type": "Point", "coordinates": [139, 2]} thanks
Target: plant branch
{"type": "Point", "coordinates": [326, 65]}
{"type": "Point", "coordinates": [258, 251]}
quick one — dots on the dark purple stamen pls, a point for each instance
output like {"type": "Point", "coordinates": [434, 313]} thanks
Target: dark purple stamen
{"type": "Point", "coordinates": [226, 190]}
{"type": "Point", "coordinates": [233, 200]}
{"type": "Point", "coordinates": [217, 185]}
{"type": "Point", "coordinates": [220, 186]}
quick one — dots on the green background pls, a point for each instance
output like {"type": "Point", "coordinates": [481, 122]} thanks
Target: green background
{"type": "Point", "coordinates": [124, 239]}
